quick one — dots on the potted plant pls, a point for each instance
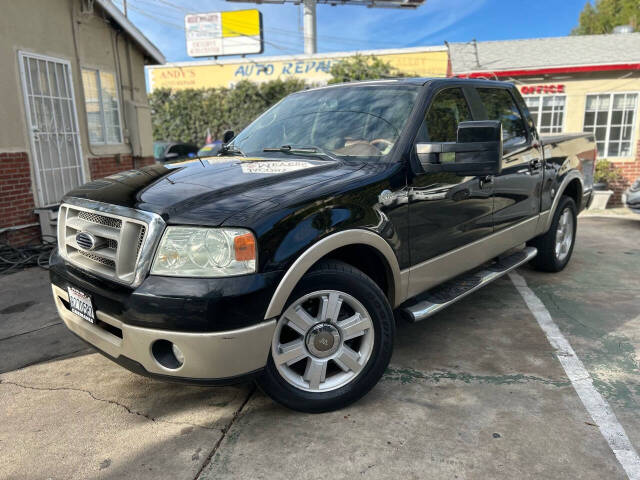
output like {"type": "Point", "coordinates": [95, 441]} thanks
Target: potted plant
{"type": "Point", "coordinates": [606, 173]}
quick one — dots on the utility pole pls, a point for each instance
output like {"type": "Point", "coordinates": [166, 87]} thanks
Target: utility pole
{"type": "Point", "coordinates": [124, 7]}
{"type": "Point", "coordinates": [310, 27]}
{"type": "Point", "coordinates": [309, 13]}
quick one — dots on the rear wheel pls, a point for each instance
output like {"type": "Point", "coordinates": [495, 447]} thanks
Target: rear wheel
{"type": "Point", "coordinates": [556, 246]}
{"type": "Point", "coordinates": [332, 343]}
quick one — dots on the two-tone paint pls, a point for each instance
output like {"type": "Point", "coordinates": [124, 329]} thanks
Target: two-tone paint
{"type": "Point", "coordinates": [406, 229]}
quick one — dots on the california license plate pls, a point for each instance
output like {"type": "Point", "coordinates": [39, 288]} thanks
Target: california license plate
{"type": "Point", "coordinates": [81, 304]}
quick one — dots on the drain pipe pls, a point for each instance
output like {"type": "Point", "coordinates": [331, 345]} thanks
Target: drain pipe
{"type": "Point", "coordinates": [76, 50]}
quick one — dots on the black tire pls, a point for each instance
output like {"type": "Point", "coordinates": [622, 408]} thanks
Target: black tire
{"type": "Point", "coordinates": [547, 260]}
{"type": "Point", "coordinates": [337, 276]}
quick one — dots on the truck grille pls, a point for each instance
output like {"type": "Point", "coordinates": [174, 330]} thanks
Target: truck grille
{"type": "Point", "coordinates": [105, 243]}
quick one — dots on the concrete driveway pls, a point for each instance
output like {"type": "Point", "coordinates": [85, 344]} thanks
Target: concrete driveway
{"type": "Point", "coordinates": [475, 392]}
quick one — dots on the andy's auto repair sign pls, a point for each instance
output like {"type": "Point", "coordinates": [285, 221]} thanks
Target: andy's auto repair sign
{"type": "Point", "coordinates": [313, 69]}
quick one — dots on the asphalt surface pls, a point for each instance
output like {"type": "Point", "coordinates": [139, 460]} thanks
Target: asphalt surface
{"type": "Point", "coordinates": [474, 392]}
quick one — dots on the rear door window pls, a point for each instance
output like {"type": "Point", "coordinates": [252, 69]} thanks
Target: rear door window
{"type": "Point", "coordinates": [499, 105]}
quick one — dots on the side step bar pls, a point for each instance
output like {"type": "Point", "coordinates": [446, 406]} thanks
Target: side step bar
{"type": "Point", "coordinates": [440, 297]}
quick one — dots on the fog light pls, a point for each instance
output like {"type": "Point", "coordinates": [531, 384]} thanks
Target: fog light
{"type": "Point", "coordinates": [178, 354]}
{"type": "Point", "coordinates": [167, 354]}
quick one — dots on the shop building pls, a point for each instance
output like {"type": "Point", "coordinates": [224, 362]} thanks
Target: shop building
{"type": "Point", "coordinates": [313, 69]}
{"type": "Point", "coordinates": [571, 84]}
{"type": "Point", "coordinates": [74, 105]}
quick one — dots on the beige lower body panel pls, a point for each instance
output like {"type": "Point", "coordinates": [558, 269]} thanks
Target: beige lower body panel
{"type": "Point", "coordinates": [432, 272]}
{"type": "Point", "coordinates": [215, 355]}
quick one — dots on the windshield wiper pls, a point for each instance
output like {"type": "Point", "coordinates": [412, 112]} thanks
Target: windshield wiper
{"type": "Point", "coordinates": [302, 151]}
{"type": "Point", "coordinates": [231, 150]}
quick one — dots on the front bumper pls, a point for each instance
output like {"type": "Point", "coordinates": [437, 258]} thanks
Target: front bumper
{"type": "Point", "coordinates": [210, 357]}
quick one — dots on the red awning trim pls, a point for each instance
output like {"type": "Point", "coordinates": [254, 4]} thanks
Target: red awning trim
{"type": "Point", "coordinates": [551, 71]}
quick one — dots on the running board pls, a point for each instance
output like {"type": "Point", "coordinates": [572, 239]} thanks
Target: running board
{"type": "Point", "coordinates": [440, 297]}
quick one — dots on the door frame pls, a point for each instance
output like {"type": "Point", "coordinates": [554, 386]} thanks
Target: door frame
{"type": "Point", "coordinates": [22, 54]}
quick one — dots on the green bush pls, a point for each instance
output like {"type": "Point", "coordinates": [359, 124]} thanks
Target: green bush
{"type": "Point", "coordinates": [363, 67]}
{"type": "Point", "coordinates": [606, 172]}
{"type": "Point", "coordinates": [185, 115]}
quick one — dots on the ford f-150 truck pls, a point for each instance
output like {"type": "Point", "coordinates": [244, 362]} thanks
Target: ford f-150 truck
{"type": "Point", "coordinates": [288, 258]}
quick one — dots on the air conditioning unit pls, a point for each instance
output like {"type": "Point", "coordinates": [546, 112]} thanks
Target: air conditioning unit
{"type": "Point", "coordinates": [48, 222]}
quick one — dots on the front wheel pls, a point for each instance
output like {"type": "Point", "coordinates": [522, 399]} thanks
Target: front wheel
{"type": "Point", "coordinates": [556, 246]}
{"type": "Point", "coordinates": [332, 343]}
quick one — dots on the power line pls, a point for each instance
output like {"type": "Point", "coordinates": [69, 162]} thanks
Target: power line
{"type": "Point", "coordinates": [286, 49]}
{"type": "Point", "coordinates": [274, 30]}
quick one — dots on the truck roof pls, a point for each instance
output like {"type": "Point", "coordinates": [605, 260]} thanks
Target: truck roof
{"type": "Point", "coordinates": [418, 81]}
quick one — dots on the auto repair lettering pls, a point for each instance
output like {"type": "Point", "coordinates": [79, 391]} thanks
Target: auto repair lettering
{"type": "Point", "coordinates": [301, 67]}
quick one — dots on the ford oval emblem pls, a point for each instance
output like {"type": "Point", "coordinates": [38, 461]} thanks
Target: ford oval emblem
{"type": "Point", "coordinates": [86, 241]}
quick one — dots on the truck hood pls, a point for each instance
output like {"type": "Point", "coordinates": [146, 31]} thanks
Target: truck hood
{"type": "Point", "coordinates": [209, 191]}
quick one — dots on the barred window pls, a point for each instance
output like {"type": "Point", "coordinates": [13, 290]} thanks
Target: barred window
{"type": "Point", "coordinates": [547, 112]}
{"type": "Point", "coordinates": [611, 117]}
{"type": "Point", "coordinates": [103, 107]}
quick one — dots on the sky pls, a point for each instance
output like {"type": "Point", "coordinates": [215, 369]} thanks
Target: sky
{"type": "Point", "coordinates": [354, 28]}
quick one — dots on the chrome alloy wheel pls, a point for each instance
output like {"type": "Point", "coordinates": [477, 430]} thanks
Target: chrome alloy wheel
{"type": "Point", "coordinates": [322, 341]}
{"type": "Point", "coordinates": [564, 235]}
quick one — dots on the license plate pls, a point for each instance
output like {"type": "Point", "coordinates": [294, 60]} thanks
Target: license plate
{"type": "Point", "coordinates": [81, 304]}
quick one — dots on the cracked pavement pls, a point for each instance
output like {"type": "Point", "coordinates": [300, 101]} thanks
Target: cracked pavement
{"type": "Point", "coordinates": [475, 392]}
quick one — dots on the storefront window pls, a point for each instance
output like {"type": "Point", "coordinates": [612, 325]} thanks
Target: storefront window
{"type": "Point", "coordinates": [611, 117]}
{"type": "Point", "coordinates": [547, 112]}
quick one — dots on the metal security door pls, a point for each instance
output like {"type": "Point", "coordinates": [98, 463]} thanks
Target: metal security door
{"type": "Point", "coordinates": [53, 126]}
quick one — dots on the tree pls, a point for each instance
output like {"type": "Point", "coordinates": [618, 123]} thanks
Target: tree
{"type": "Point", "coordinates": [606, 15]}
{"type": "Point", "coordinates": [362, 67]}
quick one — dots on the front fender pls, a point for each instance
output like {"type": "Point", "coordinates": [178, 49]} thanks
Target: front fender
{"type": "Point", "coordinates": [325, 246]}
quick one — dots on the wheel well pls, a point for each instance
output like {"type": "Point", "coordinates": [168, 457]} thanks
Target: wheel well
{"type": "Point", "coordinates": [369, 261]}
{"type": "Point", "coordinates": [574, 190]}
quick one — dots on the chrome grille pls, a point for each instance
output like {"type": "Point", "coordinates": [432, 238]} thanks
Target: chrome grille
{"type": "Point", "coordinates": [100, 219]}
{"type": "Point", "coordinates": [104, 241]}
{"type": "Point", "coordinates": [98, 259]}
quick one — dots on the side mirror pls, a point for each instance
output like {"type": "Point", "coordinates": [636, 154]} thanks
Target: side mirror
{"type": "Point", "coordinates": [477, 151]}
{"type": "Point", "coordinates": [227, 136]}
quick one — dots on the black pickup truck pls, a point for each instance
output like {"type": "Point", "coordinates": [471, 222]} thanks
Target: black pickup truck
{"type": "Point", "coordinates": [289, 257]}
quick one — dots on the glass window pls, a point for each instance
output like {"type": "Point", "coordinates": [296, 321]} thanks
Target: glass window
{"type": "Point", "coordinates": [448, 109]}
{"type": "Point", "coordinates": [499, 105]}
{"type": "Point", "coordinates": [103, 106]}
{"type": "Point", "coordinates": [547, 112]}
{"type": "Point", "coordinates": [611, 117]}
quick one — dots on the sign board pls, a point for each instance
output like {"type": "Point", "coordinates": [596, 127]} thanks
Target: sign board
{"type": "Point", "coordinates": [536, 89]}
{"type": "Point", "coordinates": [312, 69]}
{"type": "Point", "coordinates": [215, 34]}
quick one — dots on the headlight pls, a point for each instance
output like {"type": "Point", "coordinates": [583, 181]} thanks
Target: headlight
{"type": "Point", "coordinates": [205, 252]}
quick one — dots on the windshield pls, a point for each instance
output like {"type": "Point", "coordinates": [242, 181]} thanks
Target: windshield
{"type": "Point", "coordinates": [351, 121]}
